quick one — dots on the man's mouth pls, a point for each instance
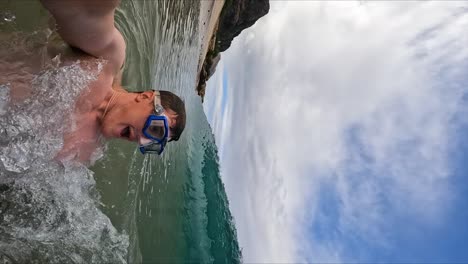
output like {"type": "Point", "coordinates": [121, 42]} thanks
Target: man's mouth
{"type": "Point", "coordinates": [125, 133]}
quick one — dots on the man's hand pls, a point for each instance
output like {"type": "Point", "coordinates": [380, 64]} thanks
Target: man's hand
{"type": "Point", "coordinates": [89, 26]}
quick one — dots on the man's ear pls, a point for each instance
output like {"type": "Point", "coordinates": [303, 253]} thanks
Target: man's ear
{"type": "Point", "coordinates": [144, 96]}
{"type": "Point", "coordinates": [172, 116]}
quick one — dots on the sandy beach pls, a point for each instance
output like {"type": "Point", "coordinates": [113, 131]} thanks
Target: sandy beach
{"type": "Point", "coordinates": [210, 10]}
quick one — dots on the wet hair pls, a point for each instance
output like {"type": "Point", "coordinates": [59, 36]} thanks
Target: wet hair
{"type": "Point", "coordinates": [173, 102]}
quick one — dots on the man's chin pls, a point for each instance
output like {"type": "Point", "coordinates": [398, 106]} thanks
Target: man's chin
{"type": "Point", "coordinates": [107, 133]}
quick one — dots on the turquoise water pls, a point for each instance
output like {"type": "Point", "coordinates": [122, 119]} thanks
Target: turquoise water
{"type": "Point", "coordinates": [173, 208]}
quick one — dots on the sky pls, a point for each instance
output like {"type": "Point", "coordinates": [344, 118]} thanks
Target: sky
{"type": "Point", "coordinates": [341, 129]}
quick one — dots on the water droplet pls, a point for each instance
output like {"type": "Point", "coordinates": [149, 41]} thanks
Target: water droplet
{"type": "Point", "coordinates": [8, 17]}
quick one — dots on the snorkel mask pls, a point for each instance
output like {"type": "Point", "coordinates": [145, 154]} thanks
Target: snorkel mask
{"type": "Point", "coordinates": [155, 130]}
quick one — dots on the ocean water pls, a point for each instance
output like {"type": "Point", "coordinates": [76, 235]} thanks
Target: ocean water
{"type": "Point", "coordinates": [126, 207]}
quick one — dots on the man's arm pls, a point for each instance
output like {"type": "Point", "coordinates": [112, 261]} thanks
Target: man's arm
{"type": "Point", "coordinates": [89, 26]}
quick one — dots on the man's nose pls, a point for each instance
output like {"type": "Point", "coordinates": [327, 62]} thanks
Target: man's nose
{"type": "Point", "coordinates": [144, 140]}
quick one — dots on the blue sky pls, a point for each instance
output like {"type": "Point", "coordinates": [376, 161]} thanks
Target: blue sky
{"type": "Point", "coordinates": [342, 132]}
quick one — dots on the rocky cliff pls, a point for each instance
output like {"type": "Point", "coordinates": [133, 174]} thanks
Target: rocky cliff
{"type": "Point", "coordinates": [236, 16]}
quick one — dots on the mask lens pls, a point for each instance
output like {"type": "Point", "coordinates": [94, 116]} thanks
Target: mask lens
{"type": "Point", "coordinates": [155, 135]}
{"type": "Point", "coordinates": [156, 129]}
{"type": "Point", "coordinates": [152, 148]}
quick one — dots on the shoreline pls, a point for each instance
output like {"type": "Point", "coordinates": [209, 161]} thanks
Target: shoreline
{"type": "Point", "coordinates": [210, 11]}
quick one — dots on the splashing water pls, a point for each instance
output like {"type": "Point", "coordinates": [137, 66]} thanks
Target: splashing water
{"type": "Point", "coordinates": [50, 215]}
{"type": "Point", "coordinates": [8, 17]}
{"type": "Point", "coordinates": [32, 130]}
{"type": "Point", "coordinates": [49, 211]}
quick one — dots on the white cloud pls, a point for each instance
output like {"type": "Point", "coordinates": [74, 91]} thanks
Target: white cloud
{"type": "Point", "coordinates": [358, 96]}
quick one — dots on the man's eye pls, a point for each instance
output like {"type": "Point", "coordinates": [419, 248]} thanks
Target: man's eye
{"type": "Point", "coordinates": [157, 131]}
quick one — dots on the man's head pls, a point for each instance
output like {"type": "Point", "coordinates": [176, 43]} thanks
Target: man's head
{"type": "Point", "coordinates": [128, 112]}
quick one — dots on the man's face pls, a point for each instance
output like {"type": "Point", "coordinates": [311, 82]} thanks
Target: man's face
{"type": "Point", "coordinates": [126, 118]}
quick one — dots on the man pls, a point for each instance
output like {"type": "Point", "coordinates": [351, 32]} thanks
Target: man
{"type": "Point", "coordinates": [150, 118]}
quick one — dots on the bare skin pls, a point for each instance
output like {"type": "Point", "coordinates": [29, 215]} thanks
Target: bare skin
{"type": "Point", "coordinates": [89, 26]}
